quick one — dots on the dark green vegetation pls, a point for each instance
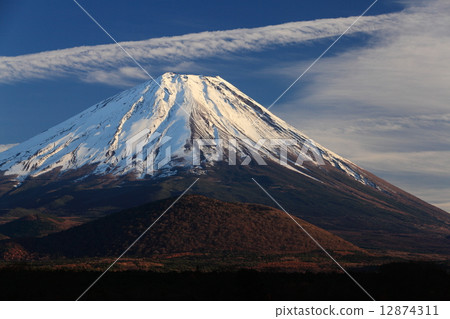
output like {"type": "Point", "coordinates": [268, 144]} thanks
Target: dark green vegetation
{"type": "Point", "coordinates": [403, 281]}
{"type": "Point", "coordinates": [35, 225]}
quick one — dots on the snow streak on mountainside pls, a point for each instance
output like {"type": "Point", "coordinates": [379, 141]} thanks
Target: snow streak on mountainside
{"type": "Point", "coordinates": [168, 116]}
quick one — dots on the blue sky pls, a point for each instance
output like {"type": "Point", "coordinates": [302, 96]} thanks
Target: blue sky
{"type": "Point", "coordinates": [379, 97]}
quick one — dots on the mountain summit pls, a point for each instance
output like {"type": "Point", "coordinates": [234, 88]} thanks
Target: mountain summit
{"type": "Point", "coordinates": [177, 121]}
{"type": "Point", "coordinates": [149, 143]}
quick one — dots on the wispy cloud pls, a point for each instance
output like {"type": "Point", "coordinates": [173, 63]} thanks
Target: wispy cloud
{"type": "Point", "coordinates": [5, 147]}
{"type": "Point", "coordinates": [412, 152]}
{"type": "Point", "coordinates": [406, 69]}
{"type": "Point", "coordinates": [386, 106]}
{"type": "Point", "coordinates": [122, 76]}
{"type": "Point", "coordinates": [107, 63]}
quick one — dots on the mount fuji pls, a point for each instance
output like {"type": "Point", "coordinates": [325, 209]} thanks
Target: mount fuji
{"type": "Point", "coordinates": [170, 114]}
{"type": "Point", "coordinates": [142, 145]}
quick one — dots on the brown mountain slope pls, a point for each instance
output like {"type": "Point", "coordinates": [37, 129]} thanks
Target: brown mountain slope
{"type": "Point", "coordinates": [195, 224]}
{"type": "Point", "coordinates": [83, 167]}
{"type": "Point", "coordinates": [363, 215]}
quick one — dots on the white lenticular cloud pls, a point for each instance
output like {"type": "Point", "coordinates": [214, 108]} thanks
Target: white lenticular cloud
{"type": "Point", "coordinates": [90, 62]}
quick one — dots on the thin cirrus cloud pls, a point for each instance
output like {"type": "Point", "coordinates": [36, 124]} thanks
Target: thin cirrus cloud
{"type": "Point", "coordinates": [410, 151]}
{"type": "Point", "coordinates": [5, 147]}
{"type": "Point", "coordinates": [386, 106]}
{"type": "Point", "coordinates": [109, 64]}
{"type": "Point", "coordinates": [406, 69]}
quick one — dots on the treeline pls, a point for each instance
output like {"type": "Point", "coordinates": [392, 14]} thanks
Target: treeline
{"type": "Point", "coordinates": [402, 281]}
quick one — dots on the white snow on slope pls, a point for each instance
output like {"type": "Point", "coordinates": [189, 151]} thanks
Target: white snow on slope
{"type": "Point", "coordinates": [168, 114]}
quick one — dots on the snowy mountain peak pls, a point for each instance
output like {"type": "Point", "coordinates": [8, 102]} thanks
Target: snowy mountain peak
{"type": "Point", "coordinates": [176, 121]}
